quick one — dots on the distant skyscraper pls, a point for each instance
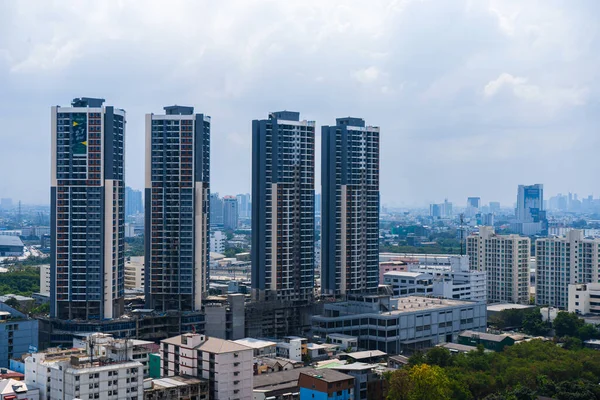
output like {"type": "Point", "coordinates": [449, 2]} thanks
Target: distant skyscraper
{"type": "Point", "coordinates": [133, 201]}
{"type": "Point", "coordinates": [87, 211]}
{"type": "Point", "coordinates": [318, 204]}
{"type": "Point", "coordinates": [230, 212]}
{"type": "Point", "coordinates": [530, 209]}
{"type": "Point", "coordinates": [244, 210]}
{"type": "Point", "coordinates": [216, 209]}
{"type": "Point", "coordinates": [561, 261]}
{"type": "Point", "coordinates": [443, 210]}
{"type": "Point", "coordinates": [350, 223]}
{"type": "Point", "coordinates": [177, 208]}
{"type": "Point", "coordinates": [505, 259]}
{"type": "Point", "coordinates": [283, 180]}
{"type": "Point", "coordinates": [474, 202]}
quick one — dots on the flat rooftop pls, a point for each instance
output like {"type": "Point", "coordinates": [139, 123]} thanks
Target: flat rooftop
{"type": "Point", "coordinates": [10, 241]}
{"type": "Point", "coordinates": [175, 381]}
{"type": "Point", "coordinates": [360, 355]}
{"type": "Point", "coordinates": [254, 343]}
{"type": "Point", "coordinates": [327, 375]}
{"type": "Point", "coordinates": [508, 306]}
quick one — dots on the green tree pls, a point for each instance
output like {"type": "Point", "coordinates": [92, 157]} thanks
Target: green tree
{"type": "Point", "coordinates": [567, 324]}
{"type": "Point", "coordinates": [439, 356]}
{"type": "Point", "coordinates": [533, 323]}
{"type": "Point", "coordinates": [418, 357]}
{"type": "Point", "coordinates": [587, 332]}
{"type": "Point", "coordinates": [420, 382]}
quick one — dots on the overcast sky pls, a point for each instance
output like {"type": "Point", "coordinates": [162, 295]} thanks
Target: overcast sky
{"type": "Point", "coordinates": [472, 97]}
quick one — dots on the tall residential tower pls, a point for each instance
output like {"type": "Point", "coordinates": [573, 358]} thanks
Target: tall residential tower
{"type": "Point", "coordinates": [350, 207]}
{"type": "Point", "coordinates": [177, 209]}
{"type": "Point", "coordinates": [283, 180]}
{"type": "Point", "coordinates": [87, 210]}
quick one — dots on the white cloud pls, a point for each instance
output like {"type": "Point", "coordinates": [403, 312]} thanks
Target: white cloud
{"type": "Point", "coordinates": [367, 75]}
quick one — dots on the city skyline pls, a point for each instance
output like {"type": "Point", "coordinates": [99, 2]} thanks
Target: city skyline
{"type": "Point", "coordinates": [450, 104]}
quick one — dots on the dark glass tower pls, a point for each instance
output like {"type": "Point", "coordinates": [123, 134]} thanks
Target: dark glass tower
{"type": "Point", "coordinates": [283, 172]}
{"type": "Point", "coordinates": [88, 211]}
{"type": "Point", "coordinates": [177, 209]}
{"type": "Point", "coordinates": [350, 207]}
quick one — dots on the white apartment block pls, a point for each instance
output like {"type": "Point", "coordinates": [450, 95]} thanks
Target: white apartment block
{"type": "Point", "coordinates": [584, 298]}
{"type": "Point", "coordinates": [45, 278]}
{"type": "Point", "coordinates": [291, 348]}
{"type": "Point", "coordinates": [217, 242]}
{"type": "Point", "coordinates": [438, 281]}
{"type": "Point", "coordinates": [505, 260]}
{"type": "Point", "coordinates": [134, 273]}
{"type": "Point", "coordinates": [227, 365]}
{"type": "Point", "coordinates": [72, 374]}
{"type": "Point", "coordinates": [562, 261]}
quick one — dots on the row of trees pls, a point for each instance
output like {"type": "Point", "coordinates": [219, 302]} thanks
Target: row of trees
{"type": "Point", "coordinates": [22, 280]}
{"type": "Point", "coordinates": [521, 372]}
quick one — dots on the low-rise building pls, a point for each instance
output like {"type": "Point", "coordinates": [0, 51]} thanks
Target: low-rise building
{"type": "Point", "coordinates": [488, 340]}
{"type": "Point", "coordinates": [584, 298]}
{"type": "Point", "coordinates": [393, 325]}
{"type": "Point", "coordinates": [176, 388]}
{"type": "Point", "coordinates": [18, 334]}
{"type": "Point", "coordinates": [292, 347]}
{"type": "Point", "coordinates": [227, 365]}
{"type": "Point", "coordinates": [367, 383]}
{"type": "Point", "coordinates": [345, 342]}
{"type": "Point", "coordinates": [11, 389]}
{"type": "Point", "coordinates": [278, 385]}
{"type": "Point", "coordinates": [325, 384]}
{"type": "Point", "coordinates": [73, 374]}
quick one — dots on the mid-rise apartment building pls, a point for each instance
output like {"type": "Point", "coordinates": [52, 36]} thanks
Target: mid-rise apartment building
{"type": "Point", "coordinates": [350, 203]}
{"type": "Point", "coordinates": [505, 260]}
{"type": "Point", "coordinates": [283, 220]}
{"type": "Point", "coordinates": [73, 374]}
{"type": "Point", "coordinates": [177, 209]}
{"type": "Point", "coordinates": [87, 197]}
{"type": "Point", "coordinates": [584, 298]}
{"type": "Point", "coordinates": [135, 273]}
{"type": "Point", "coordinates": [227, 365]}
{"type": "Point", "coordinates": [562, 261]}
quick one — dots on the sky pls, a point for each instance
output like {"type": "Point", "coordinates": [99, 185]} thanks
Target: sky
{"type": "Point", "coordinates": [473, 97]}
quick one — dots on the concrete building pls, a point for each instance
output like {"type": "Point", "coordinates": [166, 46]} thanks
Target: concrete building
{"type": "Point", "coordinates": [563, 261]}
{"type": "Point", "coordinates": [230, 213]}
{"type": "Point", "coordinates": [217, 242]}
{"type": "Point", "coordinates": [73, 374]}
{"type": "Point", "coordinates": [368, 384]}
{"type": "Point", "coordinates": [283, 195]}
{"type": "Point", "coordinates": [350, 198]}
{"type": "Point", "coordinates": [225, 316]}
{"type": "Point", "coordinates": [18, 334]}
{"type": "Point", "coordinates": [177, 209]}
{"type": "Point", "coordinates": [584, 298]}
{"type": "Point", "coordinates": [505, 260]}
{"type": "Point", "coordinates": [176, 388]}
{"type": "Point", "coordinates": [405, 283]}
{"type": "Point", "coordinates": [11, 389]}
{"type": "Point", "coordinates": [11, 246]}
{"type": "Point", "coordinates": [227, 365]}
{"type": "Point", "coordinates": [442, 210]}
{"type": "Point", "coordinates": [45, 279]}
{"type": "Point", "coordinates": [488, 340]}
{"type": "Point", "coordinates": [292, 348]}
{"type": "Point", "coordinates": [135, 273]}
{"type": "Point", "coordinates": [133, 201]}
{"type": "Point", "coordinates": [454, 281]}
{"type": "Point", "coordinates": [87, 196]}
{"type": "Point", "coordinates": [325, 384]}
{"type": "Point", "coordinates": [530, 209]}
{"type": "Point", "coordinates": [344, 341]}
{"type": "Point", "coordinates": [393, 325]}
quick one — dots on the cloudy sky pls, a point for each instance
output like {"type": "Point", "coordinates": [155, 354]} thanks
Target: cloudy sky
{"type": "Point", "coordinates": [472, 97]}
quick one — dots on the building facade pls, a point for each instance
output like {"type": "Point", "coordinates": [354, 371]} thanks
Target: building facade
{"type": "Point", "coordinates": [530, 209]}
{"type": "Point", "coordinates": [135, 274]}
{"type": "Point", "coordinates": [18, 334]}
{"type": "Point", "coordinates": [393, 325]}
{"type": "Point", "coordinates": [177, 209]}
{"type": "Point", "coordinates": [133, 201]}
{"type": "Point", "coordinates": [563, 261]}
{"type": "Point", "coordinates": [244, 205]}
{"type": "Point", "coordinates": [230, 212]}
{"type": "Point", "coordinates": [350, 200]}
{"type": "Point", "coordinates": [584, 298]}
{"type": "Point", "coordinates": [216, 210]}
{"type": "Point", "coordinates": [87, 197]}
{"type": "Point", "coordinates": [505, 260]}
{"type": "Point", "coordinates": [228, 366]}
{"type": "Point", "coordinates": [283, 174]}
